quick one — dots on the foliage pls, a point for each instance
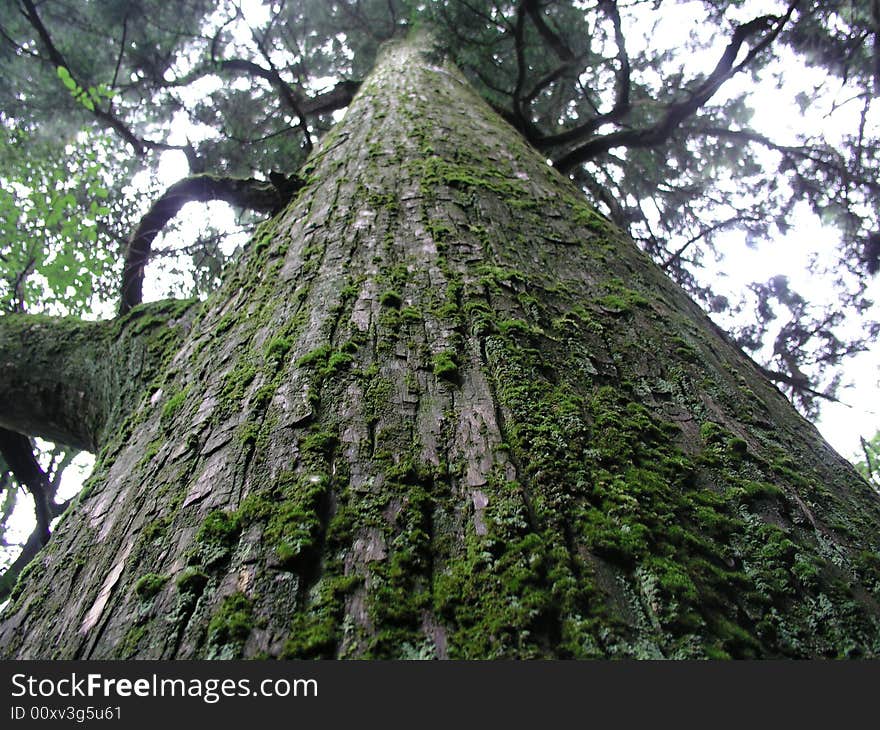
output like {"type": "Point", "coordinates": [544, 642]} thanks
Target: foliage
{"type": "Point", "coordinates": [869, 466]}
{"type": "Point", "coordinates": [53, 207]}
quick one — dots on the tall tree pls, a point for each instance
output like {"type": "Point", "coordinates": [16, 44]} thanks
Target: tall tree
{"type": "Point", "coordinates": [652, 132]}
{"type": "Point", "coordinates": [439, 407]}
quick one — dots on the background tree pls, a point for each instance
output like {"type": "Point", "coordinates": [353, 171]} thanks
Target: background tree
{"type": "Point", "coordinates": [869, 467]}
{"type": "Point", "coordinates": [581, 103]}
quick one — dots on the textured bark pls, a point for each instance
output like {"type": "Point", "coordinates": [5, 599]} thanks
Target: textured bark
{"type": "Point", "coordinates": [441, 408]}
{"type": "Point", "coordinates": [70, 381]}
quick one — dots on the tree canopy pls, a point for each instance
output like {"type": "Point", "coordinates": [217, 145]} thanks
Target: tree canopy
{"type": "Point", "coordinates": [649, 105]}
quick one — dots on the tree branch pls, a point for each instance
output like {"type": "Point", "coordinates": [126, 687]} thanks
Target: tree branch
{"type": "Point", "coordinates": [28, 552]}
{"type": "Point", "coordinates": [30, 12]}
{"type": "Point", "coordinates": [548, 79]}
{"type": "Point", "coordinates": [140, 146]}
{"type": "Point", "coordinates": [338, 97]}
{"type": "Point", "coordinates": [799, 384]}
{"type": "Point", "coordinates": [812, 155]}
{"type": "Point", "coordinates": [869, 462]}
{"type": "Point", "coordinates": [875, 17]}
{"type": "Point", "coordinates": [19, 456]}
{"type": "Point", "coordinates": [679, 111]}
{"type": "Point", "coordinates": [622, 79]}
{"type": "Point", "coordinates": [68, 381]}
{"type": "Point", "coordinates": [533, 8]}
{"type": "Point", "coordinates": [676, 255]}
{"type": "Point", "coordinates": [252, 194]}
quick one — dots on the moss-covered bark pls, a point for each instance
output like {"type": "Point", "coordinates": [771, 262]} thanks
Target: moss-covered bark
{"type": "Point", "coordinates": [70, 381]}
{"type": "Point", "coordinates": [442, 408]}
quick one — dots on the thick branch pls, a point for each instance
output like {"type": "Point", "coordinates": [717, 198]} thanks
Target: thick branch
{"type": "Point", "coordinates": [69, 381]}
{"type": "Point", "coordinates": [338, 97]}
{"type": "Point", "coordinates": [285, 92]}
{"type": "Point", "coordinates": [622, 84]}
{"type": "Point", "coordinates": [524, 123]}
{"type": "Point", "coordinates": [622, 81]}
{"type": "Point", "coordinates": [252, 194]}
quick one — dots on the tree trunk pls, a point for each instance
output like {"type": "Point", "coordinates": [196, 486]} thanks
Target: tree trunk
{"type": "Point", "coordinates": [442, 408]}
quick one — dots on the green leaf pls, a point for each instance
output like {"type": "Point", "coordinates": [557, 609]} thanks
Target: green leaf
{"type": "Point", "coordinates": [66, 78]}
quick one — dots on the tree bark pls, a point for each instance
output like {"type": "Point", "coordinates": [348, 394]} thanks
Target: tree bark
{"type": "Point", "coordinates": [442, 408]}
{"type": "Point", "coordinates": [70, 381]}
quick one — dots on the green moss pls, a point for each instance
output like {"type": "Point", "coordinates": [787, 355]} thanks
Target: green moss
{"type": "Point", "coordinates": [514, 326]}
{"type": "Point", "coordinates": [129, 645]}
{"type": "Point", "coordinates": [226, 321]}
{"type": "Point", "coordinates": [235, 385]}
{"type": "Point", "coordinates": [314, 633]}
{"type": "Point", "coordinates": [264, 396]}
{"type": "Point", "coordinates": [293, 508]}
{"type": "Point", "coordinates": [192, 580]}
{"type": "Point", "coordinates": [173, 405]}
{"type": "Point", "coordinates": [233, 621]}
{"type": "Point", "coordinates": [320, 442]}
{"type": "Point", "coordinates": [754, 491]}
{"type": "Point", "coordinates": [248, 433]}
{"type": "Point", "coordinates": [383, 201]}
{"type": "Point", "coordinates": [216, 537]}
{"type": "Point", "coordinates": [336, 362]}
{"type": "Point", "coordinates": [433, 170]}
{"type": "Point", "coordinates": [32, 572]}
{"type": "Point", "coordinates": [738, 446]}
{"type": "Point", "coordinates": [378, 393]}
{"type": "Point", "coordinates": [149, 585]}
{"type": "Point", "coordinates": [219, 527]}
{"type": "Point", "coordinates": [277, 348]}
{"type": "Point", "coordinates": [391, 299]}
{"type": "Point", "coordinates": [620, 299]}
{"type": "Point", "coordinates": [152, 449]}
{"type": "Point", "coordinates": [445, 365]}
{"type": "Point", "coordinates": [156, 529]}
{"type": "Point", "coordinates": [317, 356]}
{"type": "Point", "coordinates": [689, 354]}
{"type": "Point", "coordinates": [712, 433]}
{"type": "Point", "coordinates": [327, 361]}
{"type": "Point", "coordinates": [702, 559]}
{"type": "Point", "coordinates": [410, 315]}
{"type": "Point", "coordinates": [296, 524]}
{"type": "Point", "coordinates": [672, 579]}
